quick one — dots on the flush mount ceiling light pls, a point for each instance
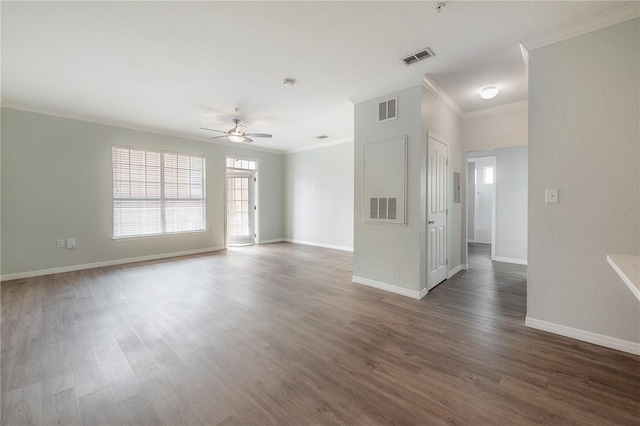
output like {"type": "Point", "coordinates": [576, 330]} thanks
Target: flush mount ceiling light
{"type": "Point", "coordinates": [488, 92]}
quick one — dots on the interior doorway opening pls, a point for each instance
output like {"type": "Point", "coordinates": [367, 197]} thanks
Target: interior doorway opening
{"type": "Point", "coordinates": [241, 201]}
{"type": "Point", "coordinates": [481, 201]}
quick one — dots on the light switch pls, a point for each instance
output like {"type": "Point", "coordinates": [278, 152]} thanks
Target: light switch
{"type": "Point", "coordinates": [551, 195]}
{"type": "Point", "coordinates": [60, 243]}
{"type": "Point", "coordinates": [71, 243]}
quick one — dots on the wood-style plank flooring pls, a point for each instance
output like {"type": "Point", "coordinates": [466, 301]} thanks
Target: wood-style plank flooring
{"type": "Point", "coordinates": [278, 334]}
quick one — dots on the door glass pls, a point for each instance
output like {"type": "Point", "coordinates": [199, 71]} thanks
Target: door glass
{"type": "Point", "coordinates": [240, 208]}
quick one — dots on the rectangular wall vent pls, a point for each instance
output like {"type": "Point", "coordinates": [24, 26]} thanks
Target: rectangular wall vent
{"type": "Point", "coordinates": [383, 208]}
{"type": "Point", "coordinates": [418, 56]}
{"type": "Point", "coordinates": [388, 110]}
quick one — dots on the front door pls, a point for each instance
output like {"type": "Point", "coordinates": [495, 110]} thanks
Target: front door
{"type": "Point", "coordinates": [240, 207]}
{"type": "Point", "coordinates": [436, 213]}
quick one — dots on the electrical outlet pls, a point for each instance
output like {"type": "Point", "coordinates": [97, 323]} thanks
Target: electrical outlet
{"type": "Point", "coordinates": [71, 243]}
{"type": "Point", "coordinates": [60, 243]}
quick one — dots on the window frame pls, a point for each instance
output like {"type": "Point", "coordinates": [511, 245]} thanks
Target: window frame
{"type": "Point", "coordinates": [162, 199]}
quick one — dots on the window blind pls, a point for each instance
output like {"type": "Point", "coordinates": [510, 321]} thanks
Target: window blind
{"type": "Point", "coordinates": [157, 193]}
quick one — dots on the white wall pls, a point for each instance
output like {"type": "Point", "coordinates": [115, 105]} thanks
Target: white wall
{"type": "Point", "coordinates": [511, 202]}
{"type": "Point", "coordinates": [389, 254]}
{"type": "Point", "coordinates": [584, 139]}
{"type": "Point", "coordinates": [319, 196]}
{"type": "Point", "coordinates": [57, 183]}
{"type": "Point", "coordinates": [500, 130]}
{"type": "Point", "coordinates": [395, 256]}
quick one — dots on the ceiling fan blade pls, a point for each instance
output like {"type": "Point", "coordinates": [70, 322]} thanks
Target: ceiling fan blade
{"type": "Point", "coordinates": [259, 135]}
{"type": "Point", "coordinates": [246, 139]}
{"type": "Point", "coordinates": [213, 130]}
{"type": "Point", "coordinates": [218, 137]}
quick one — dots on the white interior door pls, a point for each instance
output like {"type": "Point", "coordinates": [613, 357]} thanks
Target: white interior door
{"type": "Point", "coordinates": [240, 208]}
{"type": "Point", "coordinates": [436, 213]}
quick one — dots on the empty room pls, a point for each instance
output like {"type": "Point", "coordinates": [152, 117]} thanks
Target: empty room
{"type": "Point", "coordinates": [317, 212]}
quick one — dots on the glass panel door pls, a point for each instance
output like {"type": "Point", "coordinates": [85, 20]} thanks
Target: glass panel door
{"type": "Point", "coordinates": [240, 208]}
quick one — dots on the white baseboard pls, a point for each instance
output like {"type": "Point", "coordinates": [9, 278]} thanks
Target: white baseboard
{"type": "Point", "coordinates": [510, 260]}
{"type": "Point", "coordinates": [59, 270]}
{"type": "Point", "coordinates": [585, 336]}
{"type": "Point", "coordinates": [276, 240]}
{"type": "Point", "coordinates": [311, 243]}
{"type": "Point", "coordinates": [414, 294]}
{"type": "Point", "coordinates": [465, 267]}
{"type": "Point", "coordinates": [454, 271]}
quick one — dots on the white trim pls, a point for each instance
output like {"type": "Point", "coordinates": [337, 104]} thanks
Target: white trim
{"type": "Point", "coordinates": [510, 260]}
{"type": "Point", "coordinates": [275, 240]}
{"type": "Point", "coordinates": [132, 126]}
{"type": "Point", "coordinates": [324, 145]}
{"type": "Point", "coordinates": [585, 336]}
{"type": "Point", "coordinates": [616, 16]}
{"type": "Point", "coordinates": [454, 271]}
{"type": "Point", "coordinates": [465, 267]}
{"type": "Point", "coordinates": [496, 110]}
{"type": "Point", "coordinates": [323, 245]}
{"type": "Point", "coordinates": [493, 159]}
{"type": "Point", "coordinates": [386, 90]}
{"type": "Point", "coordinates": [414, 294]}
{"type": "Point", "coordinates": [628, 266]}
{"type": "Point", "coordinates": [442, 96]}
{"type": "Point", "coordinates": [59, 270]}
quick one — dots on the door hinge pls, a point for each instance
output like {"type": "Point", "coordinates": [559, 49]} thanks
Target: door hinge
{"type": "Point", "coordinates": [254, 179]}
{"type": "Point", "coordinates": [447, 161]}
{"type": "Point", "coordinates": [447, 262]}
{"type": "Point", "coordinates": [255, 207]}
{"type": "Point", "coordinates": [447, 211]}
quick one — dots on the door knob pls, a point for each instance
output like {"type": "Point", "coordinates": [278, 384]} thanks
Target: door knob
{"type": "Point", "coordinates": [431, 222]}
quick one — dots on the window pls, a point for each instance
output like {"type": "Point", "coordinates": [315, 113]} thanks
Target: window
{"type": "Point", "coordinates": [239, 163]}
{"type": "Point", "coordinates": [157, 193]}
{"type": "Point", "coordinates": [488, 175]}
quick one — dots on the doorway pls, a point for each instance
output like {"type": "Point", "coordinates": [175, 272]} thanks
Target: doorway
{"type": "Point", "coordinates": [241, 201]}
{"type": "Point", "coordinates": [481, 201]}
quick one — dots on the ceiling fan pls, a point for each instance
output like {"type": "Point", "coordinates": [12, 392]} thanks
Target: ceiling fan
{"type": "Point", "coordinates": [236, 134]}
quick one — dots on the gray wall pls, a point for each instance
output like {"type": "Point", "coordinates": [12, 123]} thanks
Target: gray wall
{"type": "Point", "coordinates": [511, 202]}
{"type": "Point", "coordinates": [584, 139]}
{"type": "Point", "coordinates": [319, 196]}
{"type": "Point", "coordinates": [56, 183]}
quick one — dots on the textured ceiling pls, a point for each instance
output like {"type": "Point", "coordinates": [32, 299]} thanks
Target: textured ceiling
{"type": "Point", "coordinates": [178, 66]}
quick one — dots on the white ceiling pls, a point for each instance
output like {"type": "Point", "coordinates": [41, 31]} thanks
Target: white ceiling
{"type": "Point", "coordinates": [178, 66]}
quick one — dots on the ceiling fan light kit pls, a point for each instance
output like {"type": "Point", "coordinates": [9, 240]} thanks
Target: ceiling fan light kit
{"type": "Point", "coordinates": [236, 135]}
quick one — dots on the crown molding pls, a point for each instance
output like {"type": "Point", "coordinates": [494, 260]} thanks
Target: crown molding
{"type": "Point", "coordinates": [615, 16]}
{"type": "Point", "coordinates": [496, 110]}
{"type": "Point", "coordinates": [323, 145]}
{"type": "Point", "coordinates": [442, 96]}
{"type": "Point", "coordinates": [126, 125]}
{"type": "Point", "coordinates": [385, 90]}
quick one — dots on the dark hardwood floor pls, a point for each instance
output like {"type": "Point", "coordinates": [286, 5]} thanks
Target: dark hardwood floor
{"type": "Point", "coordinates": [278, 334]}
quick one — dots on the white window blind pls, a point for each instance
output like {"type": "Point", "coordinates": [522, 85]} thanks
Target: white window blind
{"type": "Point", "coordinates": [157, 193]}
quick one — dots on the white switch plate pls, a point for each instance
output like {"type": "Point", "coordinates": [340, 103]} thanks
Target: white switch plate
{"type": "Point", "coordinates": [551, 195]}
{"type": "Point", "coordinates": [71, 243]}
{"type": "Point", "coordinates": [60, 243]}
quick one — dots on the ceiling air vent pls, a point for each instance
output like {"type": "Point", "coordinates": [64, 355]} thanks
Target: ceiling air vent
{"type": "Point", "coordinates": [388, 110]}
{"type": "Point", "coordinates": [418, 56]}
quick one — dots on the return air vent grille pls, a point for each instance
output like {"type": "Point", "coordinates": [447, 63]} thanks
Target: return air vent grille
{"type": "Point", "coordinates": [388, 110]}
{"type": "Point", "coordinates": [382, 208]}
{"type": "Point", "coordinates": [418, 56]}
